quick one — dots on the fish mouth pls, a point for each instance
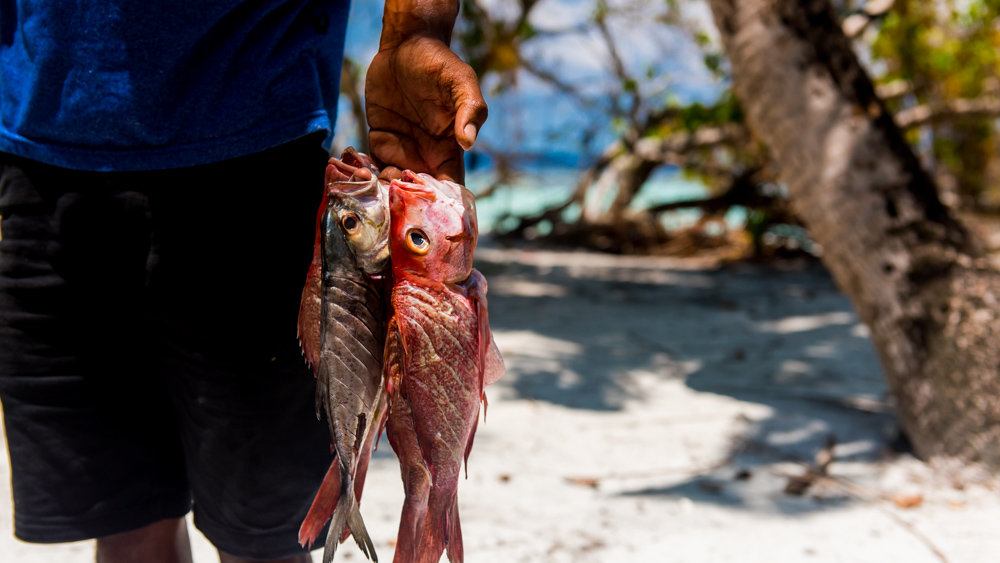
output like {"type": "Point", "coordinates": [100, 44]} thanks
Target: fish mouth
{"type": "Point", "coordinates": [377, 261]}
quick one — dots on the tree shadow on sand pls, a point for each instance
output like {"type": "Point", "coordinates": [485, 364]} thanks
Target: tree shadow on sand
{"type": "Point", "coordinates": [787, 340]}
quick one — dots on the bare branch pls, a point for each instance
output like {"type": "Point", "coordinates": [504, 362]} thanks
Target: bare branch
{"type": "Point", "coordinates": [556, 82]}
{"type": "Point", "coordinates": [618, 67]}
{"type": "Point", "coordinates": [669, 148]}
{"type": "Point", "coordinates": [856, 23]}
{"type": "Point", "coordinates": [926, 114]}
{"type": "Point", "coordinates": [894, 89]}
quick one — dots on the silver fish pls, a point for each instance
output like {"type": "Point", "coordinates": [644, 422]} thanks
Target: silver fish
{"type": "Point", "coordinates": [345, 297]}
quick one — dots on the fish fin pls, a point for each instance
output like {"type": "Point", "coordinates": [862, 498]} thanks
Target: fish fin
{"type": "Point", "coordinates": [321, 393]}
{"type": "Point", "coordinates": [338, 520]}
{"type": "Point", "coordinates": [364, 459]}
{"type": "Point", "coordinates": [311, 303]}
{"type": "Point", "coordinates": [494, 364]}
{"type": "Point", "coordinates": [381, 417]}
{"type": "Point", "coordinates": [453, 535]}
{"type": "Point", "coordinates": [323, 379]}
{"type": "Point", "coordinates": [333, 535]}
{"type": "Point", "coordinates": [491, 365]}
{"type": "Point", "coordinates": [477, 288]}
{"type": "Point", "coordinates": [393, 358]}
{"type": "Point", "coordinates": [357, 526]}
{"type": "Point", "coordinates": [468, 445]}
{"type": "Point", "coordinates": [322, 506]}
{"type": "Point", "coordinates": [416, 480]}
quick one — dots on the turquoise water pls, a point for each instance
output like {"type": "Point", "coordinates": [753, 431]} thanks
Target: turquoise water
{"type": "Point", "coordinates": [536, 190]}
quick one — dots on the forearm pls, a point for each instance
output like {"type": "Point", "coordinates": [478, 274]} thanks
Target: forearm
{"type": "Point", "coordinates": [403, 19]}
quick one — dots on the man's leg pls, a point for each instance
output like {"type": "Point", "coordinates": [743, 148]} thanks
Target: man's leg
{"type": "Point", "coordinates": [90, 430]}
{"type": "Point", "coordinates": [165, 541]}
{"type": "Point", "coordinates": [231, 249]}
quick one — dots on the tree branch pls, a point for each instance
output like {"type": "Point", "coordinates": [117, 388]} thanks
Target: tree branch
{"type": "Point", "coordinates": [668, 149]}
{"type": "Point", "coordinates": [954, 109]}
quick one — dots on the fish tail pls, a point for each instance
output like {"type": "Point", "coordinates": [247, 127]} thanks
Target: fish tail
{"type": "Point", "coordinates": [453, 537]}
{"type": "Point", "coordinates": [411, 521]}
{"type": "Point", "coordinates": [333, 534]}
{"type": "Point", "coordinates": [417, 484]}
{"type": "Point", "coordinates": [322, 507]}
{"type": "Point", "coordinates": [347, 513]}
{"type": "Point", "coordinates": [357, 526]}
{"type": "Point", "coordinates": [440, 527]}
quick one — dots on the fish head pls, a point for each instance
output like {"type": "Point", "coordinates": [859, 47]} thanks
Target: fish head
{"type": "Point", "coordinates": [433, 228]}
{"type": "Point", "coordinates": [357, 210]}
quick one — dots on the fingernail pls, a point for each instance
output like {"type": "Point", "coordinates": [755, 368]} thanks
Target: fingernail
{"type": "Point", "coordinates": [470, 133]}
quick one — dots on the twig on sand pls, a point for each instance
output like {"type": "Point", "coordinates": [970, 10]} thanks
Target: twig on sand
{"type": "Point", "coordinates": [799, 484]}
{"type": "Point", "coordinates": [879, 500]}
{"type": "Point", "coordinates": [817, 472]}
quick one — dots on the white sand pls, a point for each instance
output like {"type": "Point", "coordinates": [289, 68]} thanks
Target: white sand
{"type": "Point", "coordinates": [636, 390]}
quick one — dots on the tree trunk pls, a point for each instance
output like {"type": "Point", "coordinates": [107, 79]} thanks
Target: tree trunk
{"type": "Point", "coordinates": [910, 268]}
{"type": "Point", "coordinates": [631, 178]}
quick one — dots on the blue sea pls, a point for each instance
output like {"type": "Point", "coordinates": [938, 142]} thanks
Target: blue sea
{"type": "Point", "coordinates": [540, 187]}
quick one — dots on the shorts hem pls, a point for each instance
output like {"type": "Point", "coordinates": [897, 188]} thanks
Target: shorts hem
{"type": "Point", "coordinates": [87, 527]}
{"type": "Point", "coordinates": [260, 545]}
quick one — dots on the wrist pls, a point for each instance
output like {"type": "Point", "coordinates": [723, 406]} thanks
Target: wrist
{"type": "Point", "coordinates": [405, 19]}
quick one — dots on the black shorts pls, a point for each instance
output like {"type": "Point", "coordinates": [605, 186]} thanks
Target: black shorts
{"type": "Point", "coordinates": [148, 354]}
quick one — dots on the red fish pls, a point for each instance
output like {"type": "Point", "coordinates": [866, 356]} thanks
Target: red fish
{"type": "Point", "coordinates": [342, 327]}
{"type": "Point", "coordinates": [439, 357]}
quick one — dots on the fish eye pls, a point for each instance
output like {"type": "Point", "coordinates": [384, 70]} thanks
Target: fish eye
{"type": "Point", "coordinates": [350, 222]}
{"type": "Point", "coordinates": [417, 241]}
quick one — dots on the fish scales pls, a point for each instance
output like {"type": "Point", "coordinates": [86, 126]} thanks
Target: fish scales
{"type": "Point", "coordinates": [430, 339]}
{"type": "Point", "coordinates": [352, 384]}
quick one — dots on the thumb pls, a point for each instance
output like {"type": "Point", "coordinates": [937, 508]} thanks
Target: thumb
{"type": "Point", "coordinates": [471, 113]}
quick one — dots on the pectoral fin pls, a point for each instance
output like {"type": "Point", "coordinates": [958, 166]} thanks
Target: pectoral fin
{"type": "Point", "coordinates": [494, 364]}
{"type": "Point", "coordinates": [491, 365]}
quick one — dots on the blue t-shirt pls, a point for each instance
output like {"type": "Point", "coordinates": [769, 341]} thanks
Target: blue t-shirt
{"type": "Point", "coordinates": [144, 84]}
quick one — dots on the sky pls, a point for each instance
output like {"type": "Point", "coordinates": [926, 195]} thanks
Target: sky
{"type": "Point", "coordinates": [534, 118]}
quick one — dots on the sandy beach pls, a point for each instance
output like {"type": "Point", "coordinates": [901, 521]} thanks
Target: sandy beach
{"type": "Point", "coordinates": [655, 409]}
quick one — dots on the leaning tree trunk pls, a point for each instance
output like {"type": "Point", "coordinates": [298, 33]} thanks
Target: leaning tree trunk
{"type": "Point", "coordinates": [907, 264]}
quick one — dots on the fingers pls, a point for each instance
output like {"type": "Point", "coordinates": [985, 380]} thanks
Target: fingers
{"type": "Point", "coordinates": [361, 175]}
{"type": "Point", "coordinates": [390, 173]}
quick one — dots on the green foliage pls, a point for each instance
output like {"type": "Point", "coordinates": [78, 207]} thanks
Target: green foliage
{"type": "Point", "coordinates": [725, 110]}
{"type": "Point", "coordinates": [947, 50]}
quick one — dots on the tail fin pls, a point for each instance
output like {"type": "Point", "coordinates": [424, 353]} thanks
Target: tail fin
{"type": "Point", "coordinates": [337, 522]}
{"type": "Point", "coordinates": [360, 534]}
{"type": "Point", "coordinates": [322, 506]}
{"type": "Point", "coordinates": [347, 512]}
{"type": "Point", "coordinates": [456, 550]}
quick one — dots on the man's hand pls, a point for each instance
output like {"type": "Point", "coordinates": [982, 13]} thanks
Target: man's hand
{"type": "Point", "coordinates": [423, 103]}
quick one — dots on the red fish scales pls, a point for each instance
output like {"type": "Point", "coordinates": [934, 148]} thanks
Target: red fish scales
{"type": "Point", "coordinates": [436, 411]}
